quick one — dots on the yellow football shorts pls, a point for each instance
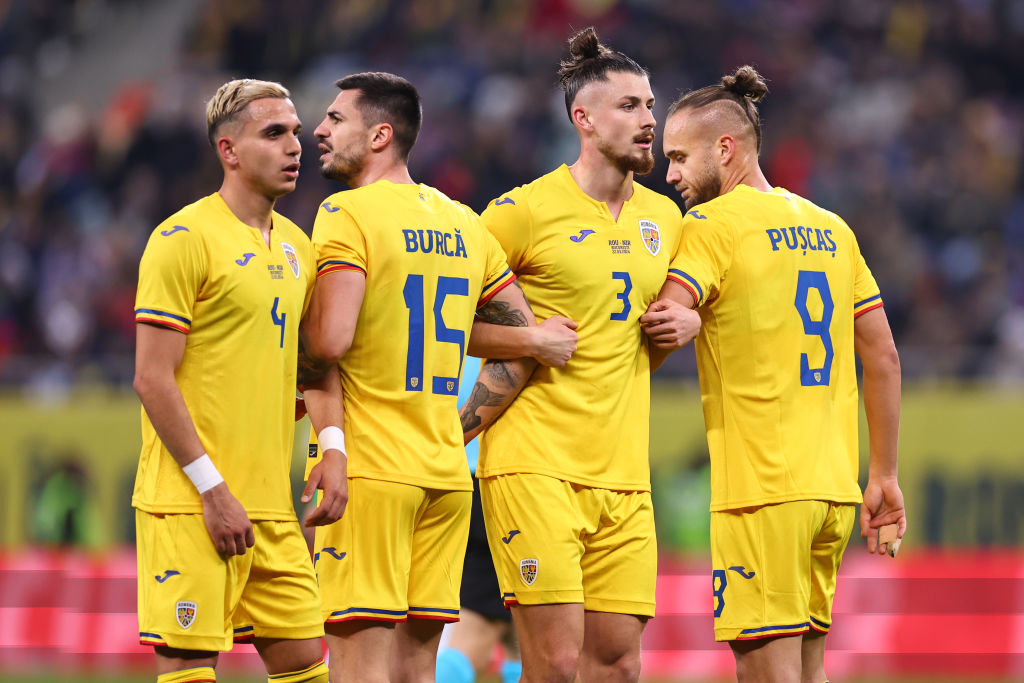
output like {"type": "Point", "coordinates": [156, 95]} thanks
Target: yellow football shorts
{"type": "Point", "coordinates": [775, 566]}
{"type": "Point", "coordinates": [397, 553]}
{"type": "Point", "coordinates": [192, 598]}
{"type": "Point", "coordinates": [553, 542]}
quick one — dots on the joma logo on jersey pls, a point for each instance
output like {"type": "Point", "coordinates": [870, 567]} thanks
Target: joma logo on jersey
{"type": "Point", "coordinates": [801, 238]}
{"type": "Point", "coordinates": [435, 242]}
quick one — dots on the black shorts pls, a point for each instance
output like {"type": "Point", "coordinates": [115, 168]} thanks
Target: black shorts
{"type": "Point", "coordinates": [480, 591]}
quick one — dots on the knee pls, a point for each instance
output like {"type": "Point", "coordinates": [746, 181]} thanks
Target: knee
{"type": "Point", "coordinates": [624, 668]}
{"type": "Point", "coordinates": [559, 666]}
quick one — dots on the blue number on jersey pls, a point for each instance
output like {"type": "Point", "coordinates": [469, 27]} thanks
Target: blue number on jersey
{"type": "Point", "coordinates": [278, 319]}
{"type": "Point", "coordinates": [413, 293]}
{"type": "Point", "coordinates": [623, 295]}
{"type": "Point", "coordinates": [806, 281]}
{"type": "Point", "coordinates": [718, 584]}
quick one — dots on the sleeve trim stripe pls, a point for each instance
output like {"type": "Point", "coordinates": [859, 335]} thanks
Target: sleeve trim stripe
{"type": "Point", "coordinates": [498, 279]}
{"type": "Point", "coordinates": [867, 301]}
{"type": "Point", "coordinates": [688, 282]}
{"type": "Point", "coordinates": [339, 266]}
{"type": "Point", "coordinates": [162, 323]}
{"type": "Point", "coordinates": [328, 264]}
{"type": "Point", "coordinates": [490, 295]}
{"type": "Point", "coordinates": [153, 311]}
{"type": "Point", "coordinates": [865, 310]}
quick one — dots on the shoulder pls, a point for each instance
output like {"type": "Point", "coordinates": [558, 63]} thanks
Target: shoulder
{"type": "Point", "coordinates": [187, 225]}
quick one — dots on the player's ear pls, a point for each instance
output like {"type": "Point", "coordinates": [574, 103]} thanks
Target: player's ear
{"type": "Point", "coordinates": [226, 150]}
{"type": "Point", "coordinates": [581, 118]}
{"type": "Point", "coordinates": [725, 149]}
{"type": "Point", "coordinates": [380, 136]}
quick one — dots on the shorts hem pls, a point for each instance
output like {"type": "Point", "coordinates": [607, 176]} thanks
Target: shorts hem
{"type": "Point", "coordinates": [639, 609]}
{"type": "Point", "coordinates": [761, 633]}
{"type": "Point", "coordinates": [303, 632]}
{"type": "Point", "coordinates": [187, 642]}
{"type": "Point", "coordinates": [543, 597]}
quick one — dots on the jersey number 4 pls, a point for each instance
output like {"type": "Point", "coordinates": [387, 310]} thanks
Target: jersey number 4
{"type": "Point", "coordinates": [413, 293]}
{"type": "Point", "coordinates": [806, 281]}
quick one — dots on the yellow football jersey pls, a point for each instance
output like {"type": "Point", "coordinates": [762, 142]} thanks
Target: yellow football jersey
{"type": "Point", "coordinates": [429, 264]}
{"type": "Point", "coordinates": [212, 277]}
{"type": "Point", "coordinates": [778, 282]}
{"type": "Point", "coordinates": [587, 422]}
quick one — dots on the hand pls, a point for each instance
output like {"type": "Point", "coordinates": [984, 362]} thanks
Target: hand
{"type": "Point", "coordinates": [226, 521]}
{"type": "Point", "coordinates": [330, 475]}
{"type": "Point", "coordinates": [883, 504]}
{"type": "Point", "coordinates": [669, 324]}
{"type": "Point", "coordinates": [554, 341]}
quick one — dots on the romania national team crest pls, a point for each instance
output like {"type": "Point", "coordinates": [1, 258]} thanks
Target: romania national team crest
{"type": "Point", "coordinates": [293, 260]}
{"type": "Point", "coordinates": [528, 570]}
{"type": "Point", "coordinates": [650, 236]}
{"type": "Point", "coordinates": [185, 611]}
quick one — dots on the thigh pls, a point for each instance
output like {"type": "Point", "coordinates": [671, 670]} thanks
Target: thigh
{"type": "Point", "coordinates": [437, 553]}
{"type": "Point", "coordinates": [479, 591]}
{"type": "Point", "coordinates": [187, 591]}
{"type": "Point", "coordinates": [620, 561]}
{"type": "Point", "coordinates": [280, 599]}
{"type": "Point", "coordinates": [826, 554]}
{"type": "Point", "coordinates": [533, 529]}
{"type": "Point", "coordinates": [362, 560]}
{"type": "Point", "coordinates": [761, 579]}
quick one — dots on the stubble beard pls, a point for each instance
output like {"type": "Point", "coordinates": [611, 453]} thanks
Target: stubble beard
{"type": "Point", "coordinates": [344, 167]}
{"type": "Point", "coordinates": [626, 163]}
{"type": "Point", "coordinates": [704, 188]}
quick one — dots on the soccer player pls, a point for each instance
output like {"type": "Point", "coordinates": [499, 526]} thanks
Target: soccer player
{"type": "Point", "coordinates": [223, 284]}
{"type": "Point", "coordinates": [483, 620]}
{"type": "Point", "coordinates": [402, 270]}
{"type": "Point", "coordinates": [786, 299]}
{"type": "Point", "coordinates": [564, 474]}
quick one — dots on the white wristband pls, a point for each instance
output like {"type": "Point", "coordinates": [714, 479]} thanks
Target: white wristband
{"type": "Point", "coordinates": [331, 438]}
{"type": "Point", "coordinates": [203, 473]}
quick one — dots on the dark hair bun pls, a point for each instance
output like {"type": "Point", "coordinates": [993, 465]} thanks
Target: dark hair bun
{"type": "Point", "coordinates": [746, 82]}
{"type": "Point", "coordinates": [585, 45]}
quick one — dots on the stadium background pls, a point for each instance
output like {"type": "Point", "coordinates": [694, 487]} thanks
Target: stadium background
{"type": "Point", "coordinates": [904, 116]}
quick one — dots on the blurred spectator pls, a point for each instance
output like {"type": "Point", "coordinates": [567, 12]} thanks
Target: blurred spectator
{"type": "Point", "coordinates": [904, 116]}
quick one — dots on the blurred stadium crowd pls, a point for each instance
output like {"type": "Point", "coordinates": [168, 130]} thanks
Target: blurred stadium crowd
{"type": "Point", "coordinates": [903, 116]}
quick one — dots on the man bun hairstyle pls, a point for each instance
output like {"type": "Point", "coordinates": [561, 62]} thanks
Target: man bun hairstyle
{"type": "Point", "coordinates": [590, 61]}
{"type": "Point", "coordinates": [745, 87]}
{"type": "Point", "coordinates": [387, 98]}
{"type": "Point", "coordinates": [233, 97]}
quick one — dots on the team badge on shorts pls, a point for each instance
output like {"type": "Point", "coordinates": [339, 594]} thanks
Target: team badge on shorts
{"type": "Point", "coordinates": [185, 611]}
{"type": "Point", "coordinates": [651, 236]}
{"type": "Point", "coordinates": [293, 260]}
{"type": "Point", "coordinates": [528, 570]}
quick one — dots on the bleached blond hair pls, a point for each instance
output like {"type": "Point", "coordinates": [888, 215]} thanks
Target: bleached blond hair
{"type": "Point", "coordinates": [233, 97]}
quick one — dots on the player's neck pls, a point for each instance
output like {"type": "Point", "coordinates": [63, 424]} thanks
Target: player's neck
{"type": "Point", "coordinates": [252, 208]}
{"type": "Point", "coordinates": [383, 169]}
{"type": "Point", "coordinates": [749, 175]}
{"type": "Point", "coordinates": [602, 181]}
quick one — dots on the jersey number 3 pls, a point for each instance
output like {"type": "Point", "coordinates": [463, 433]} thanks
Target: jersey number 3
{"type": "Point", "coordinates": [806, 281]}
{"type": "Point", "coordinates": [413, 293]}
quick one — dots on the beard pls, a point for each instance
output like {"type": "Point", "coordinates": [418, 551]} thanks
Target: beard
{"type": "Point", "coordinates": [639, 164]}
{"type": "Point", "coordinates": [344, 166]}
{"type": "Point", "coordinates": [704, 187]}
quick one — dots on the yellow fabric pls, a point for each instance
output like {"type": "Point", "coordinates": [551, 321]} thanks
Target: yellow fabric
{"type": "Point", "coordinates": [196, 674]}
{"type": "Point", "coordinates": [775, 566]}
{"type": "Point", "coordinates": [191, 598]}
{"type": "Point", "coordinates": [428, 264]}
{"type": "Point", "coordinates": [210, 276]}
{"type": "Point", "coordinates": [588, 421]}
{"type": "Point", "coordinates": [553, 541]}
{"type": "Point", "coordinates": [396, 554]}
{"type": "Point", "coordinates": [768, 269]}
{"type": "Point", "coordinates": [318, 673]}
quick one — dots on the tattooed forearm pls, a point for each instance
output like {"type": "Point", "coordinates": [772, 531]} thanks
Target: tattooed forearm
{"type": "Point", "coordinates": [505, 380]}
{"type": "Point", "coordinates": [500, 313]}
{"type": "Point", "coordinates": [504, 373]}
{"type": "Point", "coordinates": [310, 368]}
{"type": "Point", "coordinates": [481, 396]}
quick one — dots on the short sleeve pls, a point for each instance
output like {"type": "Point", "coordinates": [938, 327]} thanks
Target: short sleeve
{"type": "Point", "coordinates": [498, 274]}
{"type": "Point", "coordinates": [703, 256]}
{"type": "Point", "coordinates": [508, 219]}
{"type": "Point", "coordinates": [338, 240]}
{"type": "Point", "coordinates": [866, 295]}
{"type": "Point", "coordinates": [171, 273]}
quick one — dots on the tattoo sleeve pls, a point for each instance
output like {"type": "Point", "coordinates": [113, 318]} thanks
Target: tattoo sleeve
{"type": "Point", "coordinates": [499, 312]}
{"type": "Point", "coordinates": [499, 382]}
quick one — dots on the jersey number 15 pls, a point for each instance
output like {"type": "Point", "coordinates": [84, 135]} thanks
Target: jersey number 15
{"type": "Point", "coordinates": [413, 293]}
